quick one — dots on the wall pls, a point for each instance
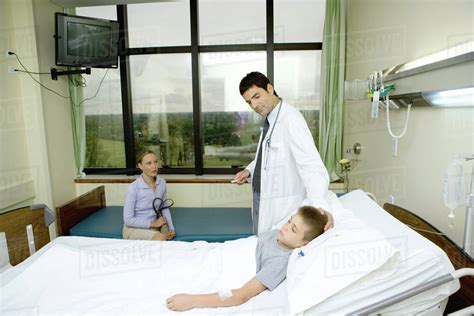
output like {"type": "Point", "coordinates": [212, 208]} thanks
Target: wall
{"type": "Point", "coordinates": [186, 194]}
{"type": "Point", "coordinates": [191, 194]}
{"type": "Point", "coordinates": [56, 110]}
{"type": "Point", "coordinates": [24, 177]}
{"type": "Point", "coordinates": [380, 35]}
{"type": "Point", "coordinates": [35, 133]}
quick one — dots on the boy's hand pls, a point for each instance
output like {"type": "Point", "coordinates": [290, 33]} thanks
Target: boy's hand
{"type": "Point", "coordinates": [180, 302]}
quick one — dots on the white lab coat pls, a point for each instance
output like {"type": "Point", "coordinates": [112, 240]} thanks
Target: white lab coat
{"type": "Point", "coordinates": [293, 173]}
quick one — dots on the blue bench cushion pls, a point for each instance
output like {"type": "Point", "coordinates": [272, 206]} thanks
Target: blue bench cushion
{"type": "Point", "coordinates": [105, 223]}
{"type": "Point", "coordinates": [212, 224]}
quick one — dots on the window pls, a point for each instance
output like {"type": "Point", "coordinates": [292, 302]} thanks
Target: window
{"type": "Point", "coordinates": [105, 147]}
{"type": "Point", "coordinates": [180, 87]}
{"type": "Point", "coordinates": [297, 76]}
{"type": "Point", "coordinates": [159, 24]}
{"type": "Point", "coordinates": [230, 128]}
{"type": "Point", "coordinates": [162, 107]}
{"type": "Point", "coordinates": [299, 21]}
{"type": "Point", "coordinates": [231, 22]}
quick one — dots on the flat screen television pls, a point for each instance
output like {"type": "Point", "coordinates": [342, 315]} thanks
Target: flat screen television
{"type": "Point", "coordinates": [86, 42]}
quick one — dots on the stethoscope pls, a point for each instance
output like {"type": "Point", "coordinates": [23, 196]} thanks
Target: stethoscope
{"type": "Point", "coordinates": [269, 139]}
{"type": "Point", "coordinates": [161, 206]}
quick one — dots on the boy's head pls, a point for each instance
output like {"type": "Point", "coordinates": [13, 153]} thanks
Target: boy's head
{"type": "Point", "coordinates": [307, 224]}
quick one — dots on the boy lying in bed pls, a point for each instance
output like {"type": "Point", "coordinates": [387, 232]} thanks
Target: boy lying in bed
{"type": "Point", "coordinates": [272, 255]}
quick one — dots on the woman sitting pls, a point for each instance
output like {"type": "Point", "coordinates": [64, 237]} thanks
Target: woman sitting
{"type": "Point", "coordinates": [139, 216]}
{"type": "Point", "coordinates": [272, 255]}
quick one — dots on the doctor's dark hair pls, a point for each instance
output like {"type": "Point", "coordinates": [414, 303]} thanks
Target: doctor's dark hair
{"type": "Point", "coordinates": [315, 221]}
{"type": "Point", "coordinates": [257, 79]}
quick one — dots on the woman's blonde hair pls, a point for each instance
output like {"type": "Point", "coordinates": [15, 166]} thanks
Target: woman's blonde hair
{"type": "Point", "coordinates": [143, 154]}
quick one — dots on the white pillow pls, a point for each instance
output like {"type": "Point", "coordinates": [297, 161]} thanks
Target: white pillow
{"type": "Point", "coordinates": [333, 261]}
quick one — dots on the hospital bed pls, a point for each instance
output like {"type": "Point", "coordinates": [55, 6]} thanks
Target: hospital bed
{"type": "Point", "coordinates": [99, 276]}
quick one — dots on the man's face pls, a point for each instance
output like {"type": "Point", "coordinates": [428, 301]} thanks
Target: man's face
{"type": "Point", "coordinates": [291, 234]}
{"type": "Point", "coordinates": [260, 100]}
{"type": "Point", "coordinates": [149, 165]}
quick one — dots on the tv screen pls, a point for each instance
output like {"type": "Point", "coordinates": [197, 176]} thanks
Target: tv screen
{"type": "Point", "coordinates": [86, 42]}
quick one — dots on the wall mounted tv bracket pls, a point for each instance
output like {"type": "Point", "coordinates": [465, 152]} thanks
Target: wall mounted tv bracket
{"type": "Point", "coordinates": [56, 72]}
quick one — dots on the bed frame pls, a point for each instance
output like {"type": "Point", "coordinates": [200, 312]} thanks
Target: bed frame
{"type": "Point", "coordinates": [464, 297]}
{"type": "Point", "coordinates": [13, 224]}
{"type": "Point", "coordinates": [74, 211]}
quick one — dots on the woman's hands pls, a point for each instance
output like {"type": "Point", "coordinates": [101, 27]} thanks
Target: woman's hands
{"type": "Point", "coordinates": [158, 222]}
{"type": "Point", "coordinates": [171, 234]}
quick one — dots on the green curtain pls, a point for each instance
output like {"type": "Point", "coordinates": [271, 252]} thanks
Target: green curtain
{"type": "Point", "coordinates": [77, 116]}
{"type": "Point", "coordinates": [332, 87]}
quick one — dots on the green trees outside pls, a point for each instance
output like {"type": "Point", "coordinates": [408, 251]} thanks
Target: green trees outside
{"type": "Point", "coordinates": [171, 135]}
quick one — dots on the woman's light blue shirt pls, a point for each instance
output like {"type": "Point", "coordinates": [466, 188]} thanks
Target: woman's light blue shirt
{"type": "Point", "coordinates": [138, 209]}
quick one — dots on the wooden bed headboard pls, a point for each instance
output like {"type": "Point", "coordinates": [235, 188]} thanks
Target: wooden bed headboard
{"type": "Point", "coordinates": [74, 211]}
{"type": "Point", "coordinates": [13, 224]}
{"type": "Point", "coordinates": [465, 296]}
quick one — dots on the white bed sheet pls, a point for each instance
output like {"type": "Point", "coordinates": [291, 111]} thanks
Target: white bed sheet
{"type": "Point", "coordinates": [420, 261]}
{"type": "Point", "coordinates": [137, 276]}
{"type": "Point", "coordinates": [79, 276]}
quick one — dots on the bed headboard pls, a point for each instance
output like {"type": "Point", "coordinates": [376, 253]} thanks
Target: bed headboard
{"type": "Point", "coordinates": [13, 224]}
{"type": "Point", "coordinates": [74, 211]}
{"type": "Point", "coordinates": [465, 296]}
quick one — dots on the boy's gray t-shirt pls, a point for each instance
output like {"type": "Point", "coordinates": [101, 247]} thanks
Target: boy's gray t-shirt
{"type": "Point", "coordinates": [272, 260]}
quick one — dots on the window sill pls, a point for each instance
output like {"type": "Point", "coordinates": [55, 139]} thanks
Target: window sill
{"type": "Point", "coordinates": [175, 178]}
{"type": "Point", "coordinates": [169, 178]}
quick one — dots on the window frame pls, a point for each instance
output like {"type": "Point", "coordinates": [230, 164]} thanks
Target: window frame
{"type": "Point", "coordinates": [194, 49]}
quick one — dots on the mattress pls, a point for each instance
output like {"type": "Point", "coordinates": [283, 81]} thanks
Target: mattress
{"type": "Point", "coordinates": [78, 275]}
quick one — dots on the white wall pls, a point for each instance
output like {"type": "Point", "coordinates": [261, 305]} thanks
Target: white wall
{"type": "Point", "coordinates": [35, 132]}
{"type": "Point", "coordinates": [185, 194]}
{"type": "Point", "coordinates": [190, 194]}
{"type": "Point", "coordinates": [56, 110]}
{"type": "Point", "coordinates": [381, 34]}
{"type": "Point", "coordinates": [22, 159]}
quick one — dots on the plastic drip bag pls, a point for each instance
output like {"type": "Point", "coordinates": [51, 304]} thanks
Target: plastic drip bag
{"type": "Point", "coordinates": [453, 184]}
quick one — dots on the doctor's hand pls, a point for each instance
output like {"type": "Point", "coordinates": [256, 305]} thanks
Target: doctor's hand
{"type": "Point", "coordinates": [330, 223]}
{"type": "Point", "coordinates": [241, 177]}
{"type": "Point", "coordinates": [158, 222]}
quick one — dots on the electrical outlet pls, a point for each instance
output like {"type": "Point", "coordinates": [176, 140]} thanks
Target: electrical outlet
{"type": "Point", "coordinates": [11, 69]}
{"type": "Point", "coordinates": [9, 55]}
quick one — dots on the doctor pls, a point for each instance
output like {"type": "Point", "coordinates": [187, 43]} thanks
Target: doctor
{"type": "Point", "coordinates": [287, 171]}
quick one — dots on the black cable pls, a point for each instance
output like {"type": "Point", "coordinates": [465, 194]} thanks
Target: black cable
{"type": "Point", "coordinates": [98, 89]}
{"type": "Point", "coordinates": [79, 83]}
{"type": "Point", "coordinates": [29, 73]}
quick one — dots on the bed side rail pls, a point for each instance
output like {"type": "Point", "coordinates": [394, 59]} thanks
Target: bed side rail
{"type": "Point", "coordinates": [464, 296]}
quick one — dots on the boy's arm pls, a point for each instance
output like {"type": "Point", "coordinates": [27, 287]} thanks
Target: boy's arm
{"type": "Point", "coordinates": [182, 302]}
